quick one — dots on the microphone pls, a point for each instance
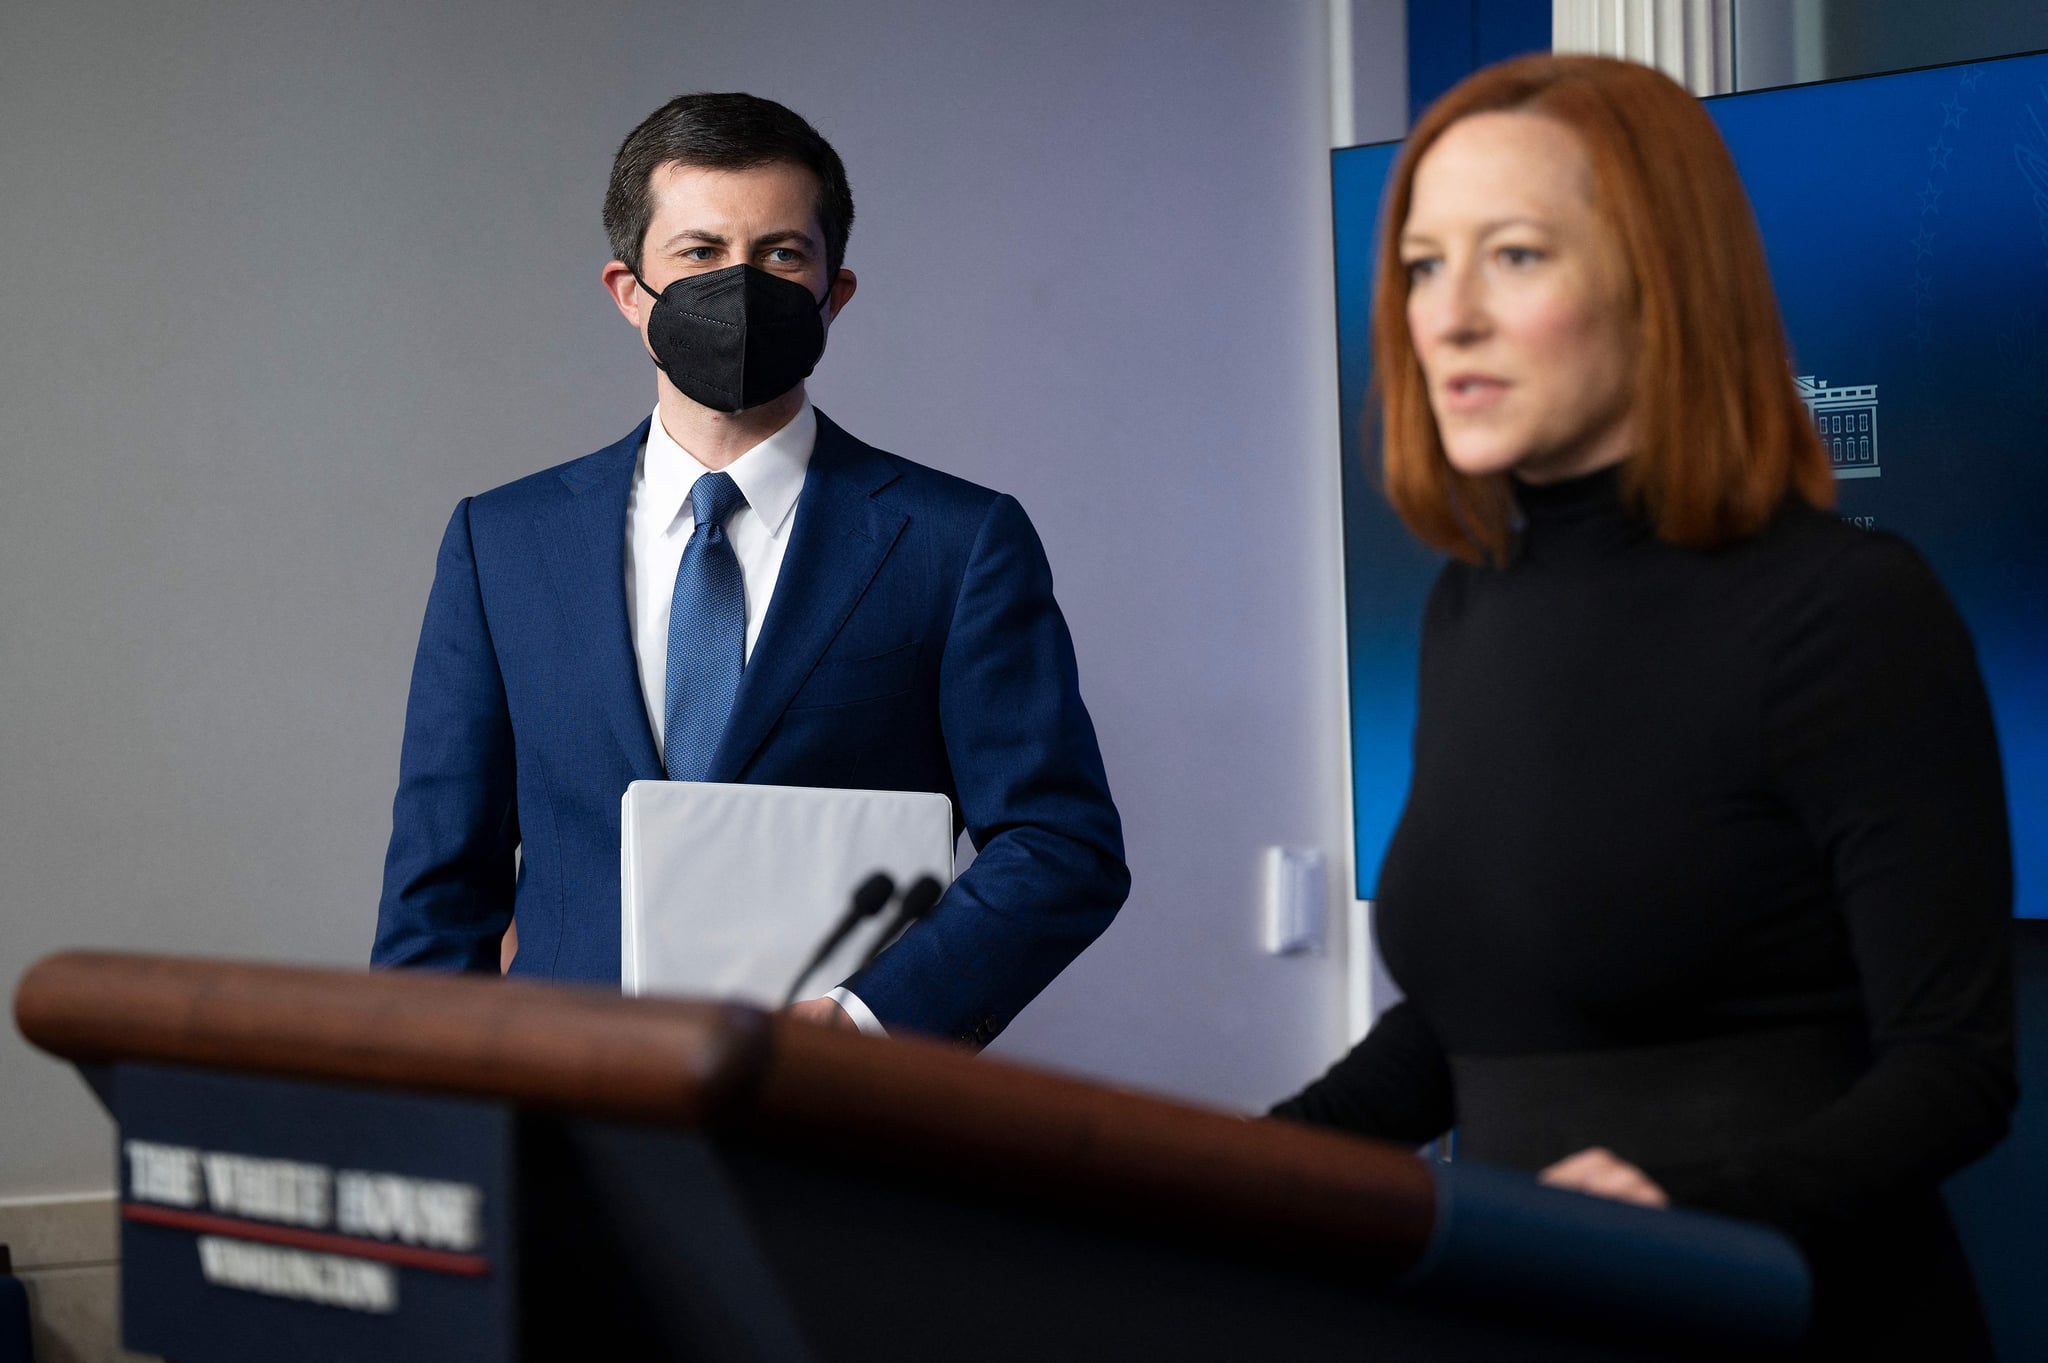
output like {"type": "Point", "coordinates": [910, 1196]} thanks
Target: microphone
{"type": "Point", "coordinates": [918, 901]}
{"type": "Point", "coordinates": [874, 893]}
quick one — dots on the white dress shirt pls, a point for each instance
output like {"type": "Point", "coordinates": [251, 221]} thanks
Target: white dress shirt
{"type": "Point", "coordinates": [659, 523]}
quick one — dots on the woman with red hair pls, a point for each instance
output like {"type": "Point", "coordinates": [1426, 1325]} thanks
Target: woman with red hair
{"type": "Point", "coordinates": [1701, 890]}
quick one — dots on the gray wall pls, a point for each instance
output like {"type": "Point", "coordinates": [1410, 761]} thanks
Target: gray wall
{"type": "Point", "coordinates": [1785, 42]}
{"type": "Point", "coordinates": [278, 284]}
{"type": "Point", "coordinates": [1867, 36]}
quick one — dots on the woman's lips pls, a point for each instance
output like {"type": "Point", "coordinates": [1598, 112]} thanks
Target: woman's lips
{"type": "Point", "coordinates": [1466, 394]}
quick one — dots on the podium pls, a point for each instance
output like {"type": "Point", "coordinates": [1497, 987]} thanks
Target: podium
{"type": "Point", "coordinates": [327, 1164]}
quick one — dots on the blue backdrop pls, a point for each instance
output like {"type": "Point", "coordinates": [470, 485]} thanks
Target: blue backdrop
{"type": "Point", "coordinates": [1906, 217]}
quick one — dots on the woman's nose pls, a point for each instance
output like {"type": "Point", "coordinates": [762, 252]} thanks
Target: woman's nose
{"type": "Point", "coordinates": [1454, 311]}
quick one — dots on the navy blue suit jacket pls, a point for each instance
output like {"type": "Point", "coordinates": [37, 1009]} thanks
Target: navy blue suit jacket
{"type": "Point", "coordinates": [912, 644]}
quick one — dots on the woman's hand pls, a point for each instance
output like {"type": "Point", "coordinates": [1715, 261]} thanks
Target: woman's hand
{"type": "Point", "coordinates": [1605, 1174]}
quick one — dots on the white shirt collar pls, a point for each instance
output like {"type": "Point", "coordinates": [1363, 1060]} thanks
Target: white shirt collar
{"type": "Point", "coordinates": [770, 475]}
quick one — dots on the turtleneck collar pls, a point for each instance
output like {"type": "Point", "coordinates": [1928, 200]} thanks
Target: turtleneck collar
{"type": "Point", "coordinates": [1583, 513]}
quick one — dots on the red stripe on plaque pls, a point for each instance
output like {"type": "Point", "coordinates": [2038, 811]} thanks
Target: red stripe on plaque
{"type": "Point", "coordinates": [349, 1246]}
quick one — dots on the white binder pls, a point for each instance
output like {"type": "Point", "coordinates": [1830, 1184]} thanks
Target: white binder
{"type": "Point", "coordinates": [728, 889]}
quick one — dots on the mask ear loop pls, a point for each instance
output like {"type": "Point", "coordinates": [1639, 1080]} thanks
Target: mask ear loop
{"type": "Point", "coordinates": [652, 358]}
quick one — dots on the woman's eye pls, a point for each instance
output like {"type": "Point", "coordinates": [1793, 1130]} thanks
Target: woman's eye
{"type": "Point", "coordinates": [1419, 268]}
{"type": "Point", "coordinates": [1518, 256]}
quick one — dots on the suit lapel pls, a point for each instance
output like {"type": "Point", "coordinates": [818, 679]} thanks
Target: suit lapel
{"type": "Point", "coordinates": [583, 542]}
{"type": "Point", "coordinates": [840, 539]}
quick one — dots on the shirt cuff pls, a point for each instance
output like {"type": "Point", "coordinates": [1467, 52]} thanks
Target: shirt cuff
{"type": "Point", "coordinates": [862, 1015]}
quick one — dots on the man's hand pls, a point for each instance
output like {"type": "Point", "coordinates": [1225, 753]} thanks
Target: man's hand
{"type": "Point", "coordinates": [824, 1012]}
{"type": "Point", "coordinates": [1605, 1174]}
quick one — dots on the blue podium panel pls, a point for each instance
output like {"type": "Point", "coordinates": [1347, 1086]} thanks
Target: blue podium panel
{"type": "Point", "coordinates": [267, 1219]}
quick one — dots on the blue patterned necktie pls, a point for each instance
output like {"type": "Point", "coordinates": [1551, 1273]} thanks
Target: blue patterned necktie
{"type": "Point", "coordinates": [707, 634]}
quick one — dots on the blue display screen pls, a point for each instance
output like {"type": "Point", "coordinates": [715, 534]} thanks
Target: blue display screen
{"type": "Point", "coordinates": [1906, 218]}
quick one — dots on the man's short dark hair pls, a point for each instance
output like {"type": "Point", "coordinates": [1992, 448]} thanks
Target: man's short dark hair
{"type": "Point", "coordinates": [722, 132]}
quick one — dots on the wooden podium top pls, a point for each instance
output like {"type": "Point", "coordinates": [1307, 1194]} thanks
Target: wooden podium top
{"type": "Point", "coordinates": [1350, 1206]}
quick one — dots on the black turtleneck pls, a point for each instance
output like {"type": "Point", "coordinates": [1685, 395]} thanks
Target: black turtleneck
{"type": "Point", "coordinates": [1663, 797]}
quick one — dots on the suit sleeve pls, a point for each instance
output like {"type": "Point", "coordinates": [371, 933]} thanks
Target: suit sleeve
{"type": "Point", "coordinates": [1049, 873]}
{"type": "Point", "coordinates": [448, 875]}
{"type": "Point", "coordinates": [1882, 739]}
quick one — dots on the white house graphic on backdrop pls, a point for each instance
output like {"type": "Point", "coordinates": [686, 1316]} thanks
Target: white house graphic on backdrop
{"type": "Point", "coordinates": [1847, 420]}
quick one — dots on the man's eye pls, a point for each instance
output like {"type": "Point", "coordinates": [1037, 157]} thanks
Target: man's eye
{"type": "Point", "coordinates": [784, 255]}
{"type": "Point", "coordinates": [697, 253]}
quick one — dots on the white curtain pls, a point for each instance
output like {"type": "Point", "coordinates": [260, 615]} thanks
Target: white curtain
{"type": "Point", "coordinates": [1692, 41]}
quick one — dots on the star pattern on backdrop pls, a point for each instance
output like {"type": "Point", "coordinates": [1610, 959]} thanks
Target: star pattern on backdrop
{"type": "Point", "coordinates": [1939, 151]}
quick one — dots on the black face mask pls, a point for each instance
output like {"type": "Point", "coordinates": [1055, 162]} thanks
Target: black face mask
{"type": "Point", "coordinates": [735, 338]}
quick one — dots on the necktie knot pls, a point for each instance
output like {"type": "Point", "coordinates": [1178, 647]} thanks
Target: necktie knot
{"type": "Point", "coordinates": [714, 497]}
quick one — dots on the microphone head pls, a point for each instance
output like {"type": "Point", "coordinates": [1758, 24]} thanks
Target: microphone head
{"type": "Point", "coordinates": [919, 898]}
{"type": "Point", "coordinates": [873, 893]}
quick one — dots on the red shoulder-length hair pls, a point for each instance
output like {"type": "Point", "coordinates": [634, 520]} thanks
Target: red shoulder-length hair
{"type": "Point", "coordinates": [1723, 440]}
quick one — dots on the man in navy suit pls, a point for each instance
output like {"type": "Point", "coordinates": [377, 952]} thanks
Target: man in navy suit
{"type": "Point", "coordinates": [899, 630]}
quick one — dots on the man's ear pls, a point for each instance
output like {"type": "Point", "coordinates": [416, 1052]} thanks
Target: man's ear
{"type": "Point", "coordinates": [843, 286]}
{"type": "Point", "coordinates": [620, 284]}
